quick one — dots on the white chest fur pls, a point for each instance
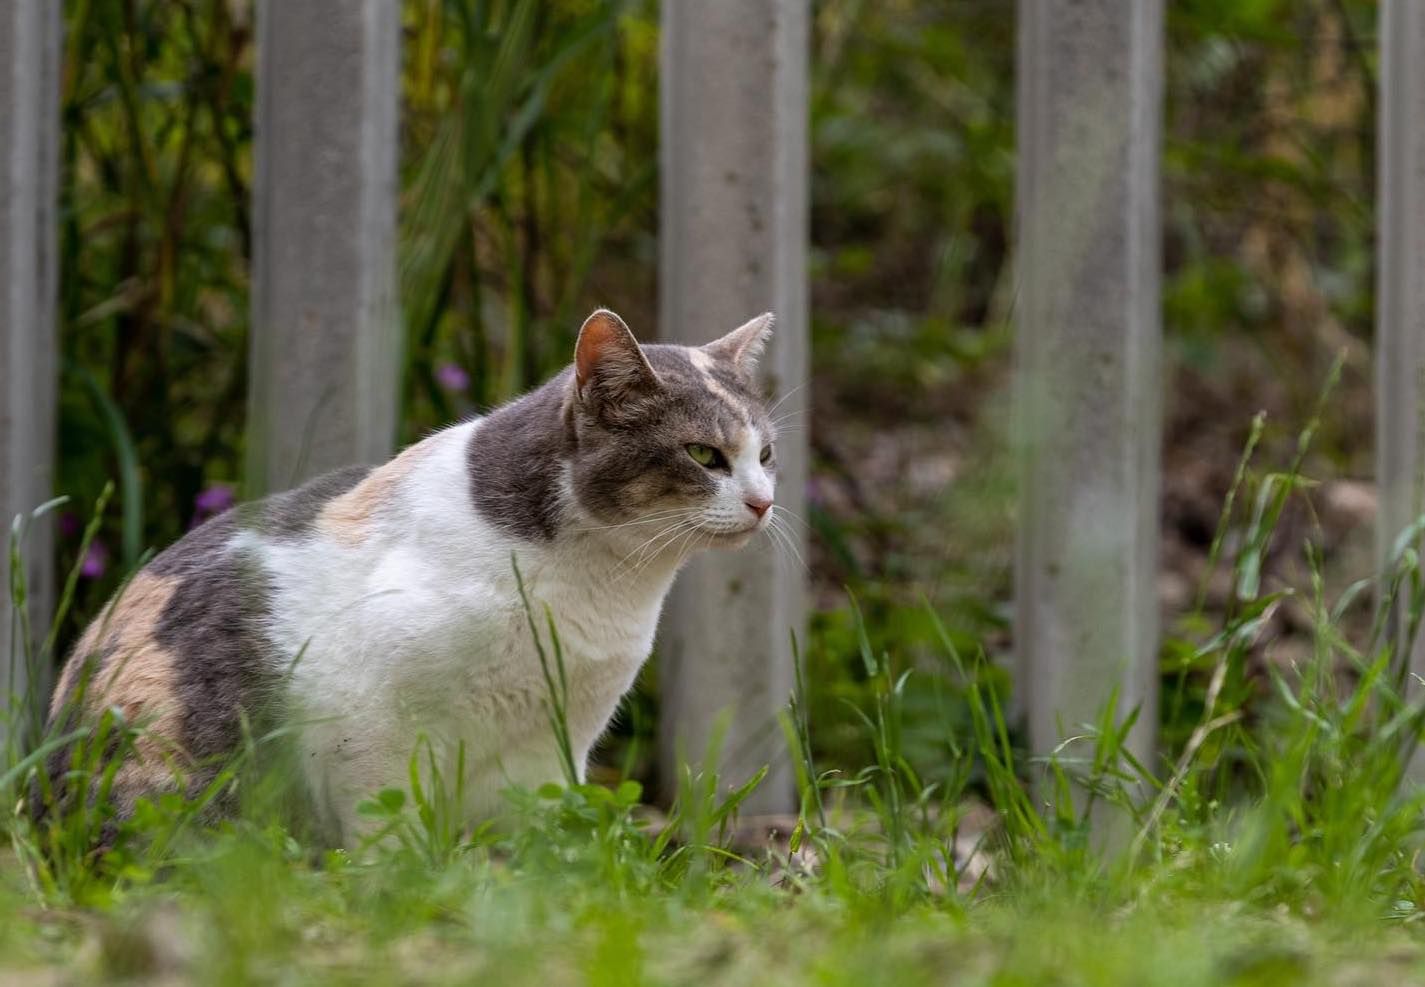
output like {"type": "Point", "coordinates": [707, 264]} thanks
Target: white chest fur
{"type": "Point", "coordinates": [411, 627]}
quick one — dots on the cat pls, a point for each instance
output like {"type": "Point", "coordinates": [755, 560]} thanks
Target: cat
{"type": "Point", "coordinates": [371, 608]}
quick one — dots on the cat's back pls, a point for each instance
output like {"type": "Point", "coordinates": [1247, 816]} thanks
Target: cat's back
{"type": "Point", "coordinates": [391, 566]}
{"type": "Point", "coordinates": [181, 647]}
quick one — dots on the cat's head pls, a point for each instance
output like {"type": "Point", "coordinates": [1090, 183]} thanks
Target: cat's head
{"type": "Point", "coordinates": [673, 443]}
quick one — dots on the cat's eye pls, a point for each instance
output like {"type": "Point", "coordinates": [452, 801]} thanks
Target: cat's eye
{"type": "Point", "coordinates": [766, 455]}
{"type": "Point", "coordinates": [706, 456]}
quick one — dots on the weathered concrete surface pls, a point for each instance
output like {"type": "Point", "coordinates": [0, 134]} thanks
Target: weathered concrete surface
{"type": "Point", "coordinates": [326, 337]}
{"type": "Point", "coordinates": [734, 241]}
{"type": "Point", "coordinates": [29, 290]}
{"type": "Point", "coordinates": [1088, 377]}
{"type": "Point", "coordinates": [1400, 287]}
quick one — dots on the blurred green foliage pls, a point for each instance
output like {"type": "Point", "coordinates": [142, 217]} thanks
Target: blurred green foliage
{"type": "Point", "coordinates": [530, 151]}
{"type": "Point", "coordinates": [155, 244]}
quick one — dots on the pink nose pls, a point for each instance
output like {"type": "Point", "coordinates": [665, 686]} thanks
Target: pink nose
{"type": "Point", "coordinates": [758, 506]}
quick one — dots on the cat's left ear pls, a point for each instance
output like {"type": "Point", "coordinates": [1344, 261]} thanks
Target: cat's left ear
{"type": "Point", "coordinates": [609, 365]}
{"type": "Point", "coordinates": [745, 344]}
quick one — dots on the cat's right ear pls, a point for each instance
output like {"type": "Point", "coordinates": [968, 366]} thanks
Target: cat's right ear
{"type": "Point", "coordinates": [609, 365]}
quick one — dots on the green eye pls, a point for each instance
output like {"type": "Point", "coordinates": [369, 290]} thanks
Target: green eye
{"type": "Point", "coordinates": [705, 456]}
{"type": "Point", "coordinates": [766, 454]}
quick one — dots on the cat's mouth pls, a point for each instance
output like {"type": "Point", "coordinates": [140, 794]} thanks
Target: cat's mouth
{"type": "Point", "coordinates": [732, 536]}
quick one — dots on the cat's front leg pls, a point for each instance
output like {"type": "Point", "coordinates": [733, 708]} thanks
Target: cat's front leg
{"type": "Point", "coordinates": [344, 766]}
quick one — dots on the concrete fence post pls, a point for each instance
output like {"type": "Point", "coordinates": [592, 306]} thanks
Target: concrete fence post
{"type": "Point", "coordinates": [1400, 287]}
{"type": "Point", "coordinates": [1088, 378]}
{"type": "Point", "coordinates": [734, 242]}
{"type": "Point", "coordinates": [326, 337]}
{"type": "Point", "coordinates": [30, 32]}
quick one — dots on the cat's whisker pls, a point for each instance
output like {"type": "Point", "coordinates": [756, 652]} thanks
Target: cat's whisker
{"type": "Point", "coordinates": [647, 551]}
{"type": "Point", "coordinates": [790, 413]}
{"type": "Point", "coordinates": [638, 550]}
{"type": "Point", "coordinates": [686, 546]}
{"type": "Point", "coordinates": [627, 524]}
{"type": "Point", "coordinates": [629, 573]}
{"type": "Point", "coordinates": [663, 512]}
{"type": "Point", "coordinates": [779, 548]}
{"type": "Point", "coordinates": [647, 519]}
{"type": "Point", "coordinates": [678, 546]}
{"type": "Point", "coordinates": [787, 514]}
{"type": "Point", "coordinates": [806, 566]}
{"type": "Point", "coordinates": [684, 542]}
{"type": "Point", "coordinates": [652, 550]}
{"type": "Point", "coordinates": [777, 536]}
{"type": "Point", "coordinates": [778, 525]}
{"type": "Point", "coordinates": [793, 559]}
{"type": "Point", "coordinates": [778, 403]}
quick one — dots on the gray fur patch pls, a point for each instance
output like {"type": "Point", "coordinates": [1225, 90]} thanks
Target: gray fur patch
{"type": "Point", "coordinates": [293, 513]}
{"type": "Point", "coordinates": [514, 461]}
{"type": "Point", "coordinates": [212, 626]}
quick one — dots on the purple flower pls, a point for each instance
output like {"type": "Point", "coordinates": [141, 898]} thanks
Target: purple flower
{"type": "Point", "coordinates": [452, 377]}
{"type": "Point", "coordinates": [96, 560]}
{"type": "Point", "coordinates": [212, 502]}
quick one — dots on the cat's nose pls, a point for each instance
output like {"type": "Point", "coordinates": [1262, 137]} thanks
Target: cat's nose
{"type": "Point", "coordinates": [758, 505]}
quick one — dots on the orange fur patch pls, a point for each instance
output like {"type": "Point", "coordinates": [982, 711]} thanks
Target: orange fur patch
{"type": "Point", "coordinates": [137, 674]}
{"type": "Point", "coordinates": [347, 519]}
{"type": "Point", "coordinates": [87, 648]}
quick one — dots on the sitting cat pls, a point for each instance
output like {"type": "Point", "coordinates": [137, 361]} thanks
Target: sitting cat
{"type": "Point", "coordinates": [373, 607]}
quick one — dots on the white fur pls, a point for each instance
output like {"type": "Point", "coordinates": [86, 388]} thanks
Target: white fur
{"type": "Point", "coordinates": [749, 481]}
{"type": "Point", "coordinates": [416, 629]}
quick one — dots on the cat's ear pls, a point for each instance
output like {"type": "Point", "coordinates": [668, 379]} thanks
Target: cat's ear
{"type": "Point", "coordinates": [745, 344]}
{"type": "Point", "coordinates": [609, 365]}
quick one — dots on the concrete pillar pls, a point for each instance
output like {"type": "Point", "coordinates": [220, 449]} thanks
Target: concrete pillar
{"type": "Point", "coordinates": [29, 291]}
{"type": "Point", "coordinates": [1087, 379]}
{"type": "Point", "coordinates": [325, 324]}
{"type": "Point", "coordinates": [734, 243]}
{"type": "Point", "coordinates": [1400, 287]}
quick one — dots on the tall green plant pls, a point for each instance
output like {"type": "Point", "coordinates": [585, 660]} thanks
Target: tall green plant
{"type": "Point", "coordinates": [495, 250]}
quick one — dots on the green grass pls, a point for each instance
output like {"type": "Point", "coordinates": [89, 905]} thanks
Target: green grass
{"type": "Point", "coordinates": [1277, 845]}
